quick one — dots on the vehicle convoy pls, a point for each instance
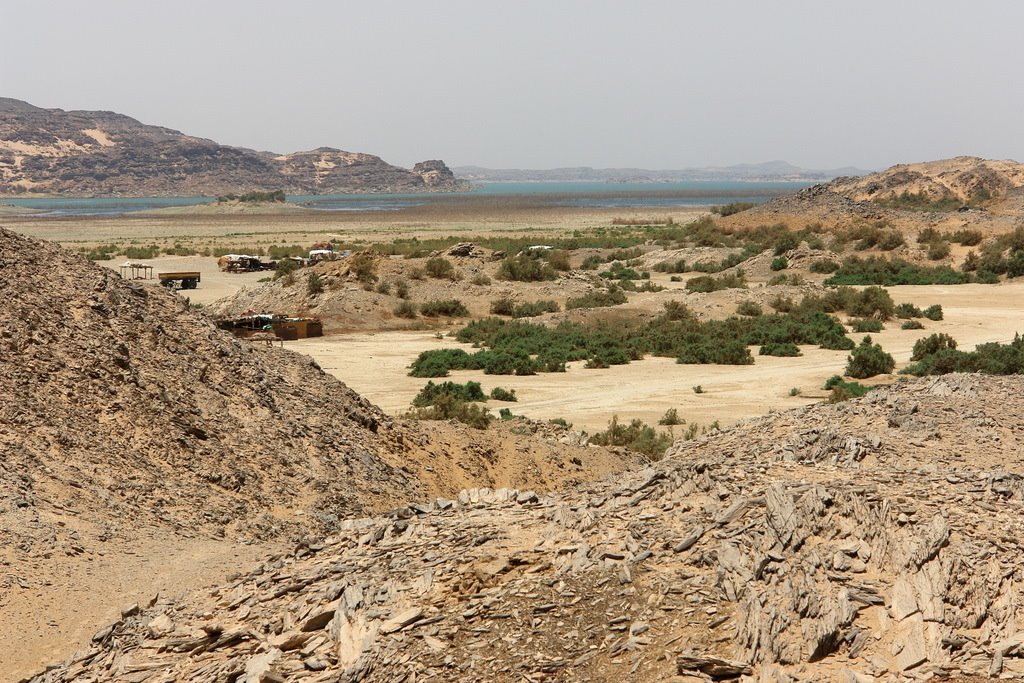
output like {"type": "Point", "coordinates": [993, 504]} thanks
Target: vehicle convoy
{"type": "Point", "coordinates": [180, 280]}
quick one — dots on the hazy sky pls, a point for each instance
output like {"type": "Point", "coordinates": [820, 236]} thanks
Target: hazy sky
{"type": "Point", "coordinates": [541, 84]}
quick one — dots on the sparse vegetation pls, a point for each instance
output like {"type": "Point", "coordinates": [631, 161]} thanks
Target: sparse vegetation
{"type": "Point", "coordinates": [938, 355]}
{"type": "Point", "coordinates": [841, 390]}
{"type": "Point", "coordinates": [525, 268]}
{"type": "Point", "coordinates": [314, 284]}
{"type": "Point", "coordinates": [440, 268]}
{"type": "Point", "coordinates": [863, 325]}
{"type": "Point", "coordinates": [671, 418]}
{"type": "Point", "coordinates": [636, 436]}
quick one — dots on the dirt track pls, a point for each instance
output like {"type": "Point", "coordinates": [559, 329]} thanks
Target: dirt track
{"type": "Point", "coordinates": [375, 365]}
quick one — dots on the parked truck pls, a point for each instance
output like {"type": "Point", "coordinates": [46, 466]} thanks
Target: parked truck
{"type": "Point", "coordinates": [180, 280]}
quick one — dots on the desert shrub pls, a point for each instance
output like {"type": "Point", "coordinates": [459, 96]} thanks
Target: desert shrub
{"type": "Point", "coordinates": [938, 250]}
{"type": "Point", "coordinates": [314, 284]}
{"type": "Point", "coordinates": [931, 344]}
{"type": "Point", "coordinates": [503, 306]}
{"type": "Point", "coordinates": [500, 394]}
{"type": "Point", "coordinates": [784, 349]}
{"type": "Point", "coordinates": [970, 263]}
{"type": "Point", "coordinates": [966, 237]}
{"type": "Point", "coordinates": [384, 287]}
{"type": "Point", "coordinates": [698, 389]}
{"type": "Point", "coordinates": [881, 271]}
{"type": "Point", "coordinates": [636, 436]}
{"type": "Point", "coordinates": [671, 266]}
{"type": "Point", "coordinates": [364, 266]}
{"type": "Point", "coordinates": [863, 325]}
{"type": "Point", "coordinates": [906, 311]}
{"type": "Point", "coordinates": [939, 356]}
{"type": "Point", "coordinates": [525, 268]}
{"type": "Point", "coordinates": [871, 302]}
{"type": "Point", "coordinates": [405, 309]}
{"type": "Point", "coordinates": [912, 325]}
{"type": "Point", "coordinates": [532, 309]}
{"type": "Point", "coordinates": [824, 265]}
{"type": "Point", "coordinates": [670, 418]}
{"type": "Point", "coordinates": [285, 268]}
{"type": "Point", "coordinates": [782, 304]}
{"type": "Point", "coordinates": [730, 209]}
{"type": "Point", "coordinates": [440, 268]}
{"type": "Point", "coordinates": [677, 310]}
{"type": "Point", "coordinates": [933, 312]}
{"type": "Point", "coordinates": [707, 283]}
{"type": "Point", "coordinates": [785, 242]}
{"type": "Point", "coordinates": [868, 360]}
{"type": "Point", "coordinates": [452, 308]}
{"type": "Point", "coordinates": [794, 391]}
{"type": "Point", "coordinates": [446, 407]}
{"type": "Point", "coordinates": [480, 279]}
{"type": "Point", "coordinates": [613, 296]}
{"type": "Point", "coordinates": [841, 390]}
{"type": "Point", "coordinates": [429, 394]}
{"type": "Point", "coordinates": [675, 278]}
{"type": "Point", "coordinates": [418, 273]}
{"type": "Point", "coordinates": [749, 308]}
{"type": "Point", "coordinates": [438, 362]}
{"type": "Point", "coordinates": [402, 289]}
{"type": "Point", "coordinates": [558, 259]}
{"type": "Point", "coordinates": [779, 263]}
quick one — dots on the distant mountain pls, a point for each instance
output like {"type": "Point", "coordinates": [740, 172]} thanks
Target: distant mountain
{"type": "Point", "coordinates": [97, 153]}
{"type": "Point", "coordinates": [771, 171]}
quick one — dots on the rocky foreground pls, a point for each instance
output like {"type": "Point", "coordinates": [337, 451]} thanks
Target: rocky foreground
{"type": "Point", "coordinates": [878, 539]}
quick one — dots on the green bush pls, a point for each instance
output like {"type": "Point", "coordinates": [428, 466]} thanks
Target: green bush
{"type": "Point", "coordinates": [868, 360]}
{"type": "Point", "coordinates": [911, 325]}
{"type": "Point", "coordinates": [844, 391]}
{"type": "Point", "coordinates": [503, 306]}
{"type": "Point", "coordinates": [863, 325]}
{"type": "Point", "coordinates": [314, 284]}
{"type": "Point", "coordinates": [824, 265]}
{"type": "Point", "coordinates": [500, 394]}
{"type": "Point", "coordinates": [429, 394]}
{"type": "Point", "coordinates": [285, 268]}
{"type": "Point", "coordinates": [749, 308]}
{"type": "Point", "coordinates": [881, 271]}
{"type": "Point", "coordinates": [933, 312]}
{"type": "Point", "coordinates": [905, 311]}
{"type": "Point", "coordinates": [929, 345]}
{"type": "Point", "coordinates": [525, 268]}
{"type": "Point", "coordinates": [707, 283]}
{"type": "Point", "coordinates": [938, 355]}
{"type": "Point", "coordinates": [783, 349]}
{"type": "Point", "coordinates": [531, 309]}
{"type": "Point", "coordinates": [636, 436]}
{"type": "Point", "coordinates": [452, 308]}
{"type": "Point", "coordinates": [402, 289]}
{"type": "Point", "coordinates": [446, 407]}
{"type": "Point", "coordinates": [384, 287]}
{"type": "Point", "coordinates": [440, 268]}
{"type": "Point", "coordinates": [729, 209]}
{"type": "Point", "coordinates": [613, 296]}
{"type": "Point", "coordinates": [779, 263]}
{"type": "Point", "coordinates": [480, 279]}
{"type": "Point", "coordinates": [938, 250]}
{"type": "Point", "coordinates": [670, 418]}
{"type": "Point", "coordinates": [405, 309]}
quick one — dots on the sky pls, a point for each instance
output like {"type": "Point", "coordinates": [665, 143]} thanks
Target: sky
{"type": "Point", "coordinates": [541, 84]}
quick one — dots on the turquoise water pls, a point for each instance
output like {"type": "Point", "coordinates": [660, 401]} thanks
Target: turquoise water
{"type": "Point", "coordinates": [583, 195]}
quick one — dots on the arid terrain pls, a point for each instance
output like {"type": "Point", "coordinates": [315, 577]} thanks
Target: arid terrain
{"type": "Point", "coordinates": [181, 504]}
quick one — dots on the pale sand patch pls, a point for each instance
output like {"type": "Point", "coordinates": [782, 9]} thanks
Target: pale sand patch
{"type": "Point", "coordinates": [376, 366]}
{"type": "Point", "coordinates": [100, 137]}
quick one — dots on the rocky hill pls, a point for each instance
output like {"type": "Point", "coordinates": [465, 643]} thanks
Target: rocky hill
{"type": "Point", "coordinates": [873, 540]}
{"type": "Point", "coordinates": [964, 179]}
{"type": "Point", "coordinates": [963, 192]}
{"type": "Point", "coordinates": [95, 153]}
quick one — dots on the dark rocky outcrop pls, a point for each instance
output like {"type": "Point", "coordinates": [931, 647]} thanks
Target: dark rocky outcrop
{"type": "Point", "coordinates": [78, 153]}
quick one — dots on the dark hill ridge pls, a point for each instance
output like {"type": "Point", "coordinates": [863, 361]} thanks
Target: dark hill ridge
{"type": "Point", "coordinates": [87, 153]}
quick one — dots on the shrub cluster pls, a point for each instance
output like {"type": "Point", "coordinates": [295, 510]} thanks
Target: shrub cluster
{"type": "Point", "coordinates": [613, 296]}
{"type": "Point", "coordinates": [529, 309]}
{"type": "Point", "coordinates": [525, 268]}
{"type": "Point", "coordinates": [938, 355]}
{"type": "Point", "coordinates": [636, 436]}
{"type": "Point", "coordinates": [842, 390]}
{"type": "Point", "coordinates": [452, 308]}
{"type": "Point", "coordinates": [875, 270]}
{"type": "Point", "coordinates": [707, 283]}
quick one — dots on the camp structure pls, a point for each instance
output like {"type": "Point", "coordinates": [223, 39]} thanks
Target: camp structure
{"type": "Point", "coordinates": [284, 327]}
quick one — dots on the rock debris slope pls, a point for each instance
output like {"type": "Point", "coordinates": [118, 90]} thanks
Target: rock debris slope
{"type": "Point", "coordinates": [120, 401]}
{"type": "Point", "coordinates": [877, 539]}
